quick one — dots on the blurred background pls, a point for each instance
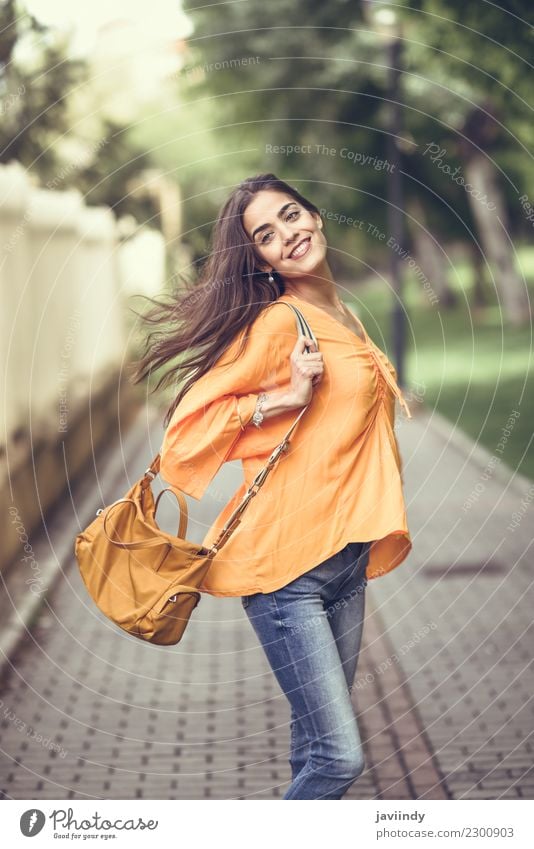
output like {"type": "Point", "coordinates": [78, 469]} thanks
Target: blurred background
{"type": "Point", "coordinates": [123, 128]}
{"type": "Point", "coordinates": [122, 134]}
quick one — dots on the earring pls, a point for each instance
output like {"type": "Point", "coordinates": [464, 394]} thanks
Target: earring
{"type": "Point", "coordinates": [271, 278]}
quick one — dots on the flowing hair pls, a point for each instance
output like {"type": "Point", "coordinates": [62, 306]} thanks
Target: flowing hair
{"type": "Point", "coordinates": [202, 319]}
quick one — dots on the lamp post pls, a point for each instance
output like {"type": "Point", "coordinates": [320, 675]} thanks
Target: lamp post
{"type": "Point", "coordinates": [388, 29]}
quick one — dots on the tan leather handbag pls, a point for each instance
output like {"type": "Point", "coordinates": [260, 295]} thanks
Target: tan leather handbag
{"type": "Point", "coordinates": [143, 579]}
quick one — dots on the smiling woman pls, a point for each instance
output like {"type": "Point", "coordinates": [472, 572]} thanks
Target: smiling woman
{"type": "Point", "coordinates": [294, 233]}
{"type": "Point", "coordinates": [235, 284]}
{"type": "Point", "coordinates": [332, 515]}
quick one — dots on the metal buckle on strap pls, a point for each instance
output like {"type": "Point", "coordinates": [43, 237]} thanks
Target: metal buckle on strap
{"type": "Point", "coordinates": [258, 480]}
{"type": "Point", "coordinates": [151, 473]}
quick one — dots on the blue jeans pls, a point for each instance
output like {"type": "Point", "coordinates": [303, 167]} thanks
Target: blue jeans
{"type": "Point", "coordinates": [311, 632]}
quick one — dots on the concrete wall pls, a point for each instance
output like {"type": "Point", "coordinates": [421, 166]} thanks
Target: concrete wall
{"type": "Point", "coordinates": [63, 345]}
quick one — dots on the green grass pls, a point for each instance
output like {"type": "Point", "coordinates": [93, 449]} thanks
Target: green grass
{"type": "Point", "coordinates": [476, 370]}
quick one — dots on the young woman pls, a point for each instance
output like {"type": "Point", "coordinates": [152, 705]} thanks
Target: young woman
{"type": "Point", "coordinates": [331, 515]}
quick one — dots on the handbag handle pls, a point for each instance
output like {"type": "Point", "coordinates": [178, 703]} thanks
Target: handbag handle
{"type": "Point", "coordinates": [152, 543]}
{"type": "Point", "coordinates": [180, 497]}
{"type": "Point", "coordinates": [235, 518]}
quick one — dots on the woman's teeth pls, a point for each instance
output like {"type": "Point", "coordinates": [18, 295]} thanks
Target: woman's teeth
{"type": "Point", "coordinates": [300, 250]}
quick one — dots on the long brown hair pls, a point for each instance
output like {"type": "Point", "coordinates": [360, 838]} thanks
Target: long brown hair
{"type": "Point", "coordinates": [202, 319]}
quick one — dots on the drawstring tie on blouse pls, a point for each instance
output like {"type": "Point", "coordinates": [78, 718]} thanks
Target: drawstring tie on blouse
{"type": "Point", "coordinates": [392, 383]}
{"type": "Point", "coordinates": [390, 380]}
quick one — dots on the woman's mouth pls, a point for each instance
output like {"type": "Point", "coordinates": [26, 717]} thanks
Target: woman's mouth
{"type": "Point", "coordinates": [301, 249]}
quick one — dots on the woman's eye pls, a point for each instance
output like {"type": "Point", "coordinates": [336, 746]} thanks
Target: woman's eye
{"type": "Point", "coordinates": [290, 217]}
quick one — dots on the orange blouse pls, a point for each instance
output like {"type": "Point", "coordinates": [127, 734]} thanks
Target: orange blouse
{"type": "Point", "coordinates": [340, 481]}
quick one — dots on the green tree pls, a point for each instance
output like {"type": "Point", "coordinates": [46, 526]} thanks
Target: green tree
{"type": "Point", "coordinates": [34, 92]}
{"type": "Point", "coordinates": [38, 85]}
{"type": "Point", "coordinates": [318, 75]}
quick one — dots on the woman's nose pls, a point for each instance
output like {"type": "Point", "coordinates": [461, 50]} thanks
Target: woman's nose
{"type": "Point", "coordinates": [289, 236]}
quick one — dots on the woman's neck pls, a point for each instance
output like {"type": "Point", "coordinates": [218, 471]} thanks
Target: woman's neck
{"type": "Point", "coordinates": [317, 289]}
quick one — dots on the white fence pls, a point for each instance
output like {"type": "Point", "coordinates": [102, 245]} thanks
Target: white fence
{"type": "Point", "coordinates": [63, 283]}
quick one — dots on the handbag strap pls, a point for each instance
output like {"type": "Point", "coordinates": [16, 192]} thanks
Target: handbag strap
{"type": "Point", "coordinates": [235, 518]}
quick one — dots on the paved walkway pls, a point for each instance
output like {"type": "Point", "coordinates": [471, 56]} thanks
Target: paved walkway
{"type": "Point", "coordinates": [443, 692]}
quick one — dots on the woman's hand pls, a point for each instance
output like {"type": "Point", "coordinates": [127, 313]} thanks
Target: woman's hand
{"type": "Point", "coordinates": [306, 370]}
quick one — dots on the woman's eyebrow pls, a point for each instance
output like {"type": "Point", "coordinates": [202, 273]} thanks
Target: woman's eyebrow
{"type": "Point", "coordinates": [279, 215]}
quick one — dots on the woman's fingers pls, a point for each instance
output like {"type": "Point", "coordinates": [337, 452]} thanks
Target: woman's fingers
{"type": "Point", "coordinates": [306, 367]}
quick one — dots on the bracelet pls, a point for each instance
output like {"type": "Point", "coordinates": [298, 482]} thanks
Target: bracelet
{"type": "Point", "coordinates": [257, 418]}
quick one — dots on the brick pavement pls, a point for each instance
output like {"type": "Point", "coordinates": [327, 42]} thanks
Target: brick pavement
{"type": "Point", "coordinates": [445, 717]}
{"type": "Point", "coordinates": [470, 574]}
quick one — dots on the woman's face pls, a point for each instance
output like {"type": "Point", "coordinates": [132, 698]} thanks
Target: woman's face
{"type": "Point", "coordinates": [286, 236]}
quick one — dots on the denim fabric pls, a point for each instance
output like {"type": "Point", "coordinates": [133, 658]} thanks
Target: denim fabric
{"type": "Point", "coordinates": [311, 632]}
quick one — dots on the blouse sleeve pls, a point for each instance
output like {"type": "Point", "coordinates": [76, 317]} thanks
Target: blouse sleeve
{"type": "Point", "coordinates": [209, 425]}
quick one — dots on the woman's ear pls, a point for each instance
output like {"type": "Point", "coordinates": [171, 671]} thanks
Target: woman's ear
{"type": "Point", "coordinates": [264, 266]}
{"type": "Point", "coordinates": [261, 265]}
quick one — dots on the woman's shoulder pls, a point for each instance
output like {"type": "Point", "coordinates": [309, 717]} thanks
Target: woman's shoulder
{"type": "Point", "coordinates": [276, 319]}
{"type": "Point", "coordinates": [271, 334]}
